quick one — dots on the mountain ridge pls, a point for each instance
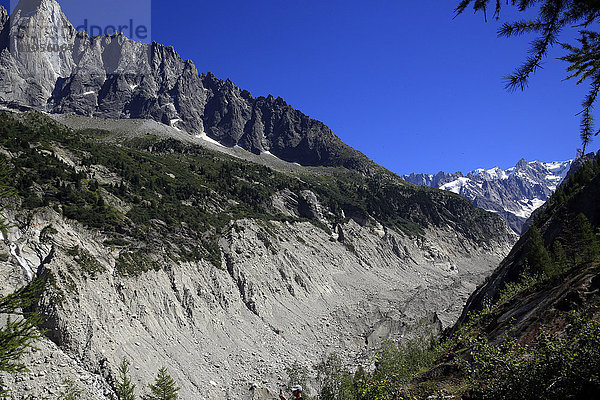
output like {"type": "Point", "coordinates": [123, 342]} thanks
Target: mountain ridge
{"type": "Point", "coordinates": [514, 193]}
{"type": "Point", "coordinates": [115, 77]}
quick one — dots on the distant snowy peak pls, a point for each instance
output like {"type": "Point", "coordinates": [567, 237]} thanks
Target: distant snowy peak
{"type": "Point", "coordinates": [436, 180]}
{"type": "Point", "coordinates": [514, 193]}
{"type": "Point", "coordinates": [488, 174]}
{"type": "Point", "coordinates": [553, 171]}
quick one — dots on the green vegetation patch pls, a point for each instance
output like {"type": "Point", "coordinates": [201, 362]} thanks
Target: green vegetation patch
{"type": "Point", "coordinates": [47, 233]}
{"type": "Point", "coordinates": [88, 263]}
{"type": "Point", "coordinates": [550, 368]}
{"type": "Point", "coordinates": [135, 263]}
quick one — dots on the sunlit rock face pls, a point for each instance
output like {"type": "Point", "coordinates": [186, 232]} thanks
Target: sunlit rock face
{"type": "Point", "coordinates": [46, 64]}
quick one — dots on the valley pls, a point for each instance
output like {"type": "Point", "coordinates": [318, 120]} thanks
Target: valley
{"type": "Point", "coordinates": [163, 217]}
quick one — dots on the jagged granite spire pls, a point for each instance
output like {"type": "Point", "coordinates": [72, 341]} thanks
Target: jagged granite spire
{"type": "Point", "coordinates": [115, 77]}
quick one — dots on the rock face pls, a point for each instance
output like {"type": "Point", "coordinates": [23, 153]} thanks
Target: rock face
{"type": "Point", "coordinates": [513, 194]}
{"type": "Point", "coordinates": [114, 77]}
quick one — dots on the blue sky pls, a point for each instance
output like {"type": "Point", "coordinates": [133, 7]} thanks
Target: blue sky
{"type": "Point", "coordinates": [401, 81]}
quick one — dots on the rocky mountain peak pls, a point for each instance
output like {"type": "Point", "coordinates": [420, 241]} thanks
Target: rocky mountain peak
{"type": "Point", "coordinates": [36, 21]}
{"type": "Point", "coordinates": [522, 164]}
{"type": "Point", "coordinates": [431, 180]}
{"type": "Point", "coordinates": [34, 36]}
{"type": "Point", "coordinates": [36, 6]}
{"type": "Point", "coordinates": [115, 77]}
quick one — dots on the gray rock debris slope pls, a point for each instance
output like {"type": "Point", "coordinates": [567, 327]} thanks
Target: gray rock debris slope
{"type": "Point", "coordinates": [285, 292]}
{"type": "Point", "coordinates": [114, 77]}
{"type": "Point", "coordinates": [513, 193]}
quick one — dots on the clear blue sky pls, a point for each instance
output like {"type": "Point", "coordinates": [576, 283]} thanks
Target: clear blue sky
{"type": "Point", "coordinates": [401, 81]}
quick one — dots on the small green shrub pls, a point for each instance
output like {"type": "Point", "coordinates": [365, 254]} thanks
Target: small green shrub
{"type": "Point", "coordinates": [299, 375]}
{"type": "Point", "coordinates": [135, 263]}
{"type": "Point", "coordinates": [88, 263]}
{"type": "Point", "coordinates": [47, 233]}
{"type": "Point", "coordinates": [552, 368]}
{"type": "Point", "coordinates": [395, 366]}
{"type": "Point", "coordinates": [70, 391]}
{"type": "Point", "coordinates": [118, 242]}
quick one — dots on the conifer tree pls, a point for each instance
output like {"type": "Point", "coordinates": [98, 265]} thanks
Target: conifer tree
{"type": "Point", "coordinates": [538, 257]}
{"type": "Point", "coordinates": [124, 388]}
{"type": "Point", "coordinates": [559, 255]}
{"type": "Point", "coordinates": [163, 388]}
{"type": "Point", "coordinates": [584, 242]}
{"type": "Point", "coordinates": [19, 328]}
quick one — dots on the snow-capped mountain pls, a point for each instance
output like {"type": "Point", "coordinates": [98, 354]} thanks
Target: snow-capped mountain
{"type": "Point", "coordinates": [513, 193]}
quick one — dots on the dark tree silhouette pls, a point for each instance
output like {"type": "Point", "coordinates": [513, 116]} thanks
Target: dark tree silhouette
{"type": "Point", "coordinates": [124, 388]}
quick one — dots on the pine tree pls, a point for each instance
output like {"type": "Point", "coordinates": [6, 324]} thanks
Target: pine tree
{"type": "Point", "coordinates": [124, 388]}
{"type": "Point", "coordinates": [19, 328]}
{"type": "Point", "coordinates": [559, 256]}
{"type": "Point", "coordinates": [538, 258]}
{"type": "Point", "coordinates": [584, 242]}
{"type": "Point", "coordinates": [164, 387]}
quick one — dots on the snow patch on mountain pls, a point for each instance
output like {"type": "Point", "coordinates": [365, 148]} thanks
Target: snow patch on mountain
{"type": "Point", "coordinates": [457, 185]}
{"type": "Point", "coordinates": [514, 193]}
{"type": "Point", "coordinates": [528, 206]}
{"type": "Point", "coordinates": [208, 139]}
{"type": "Point", "coordinates": [490, 174]}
